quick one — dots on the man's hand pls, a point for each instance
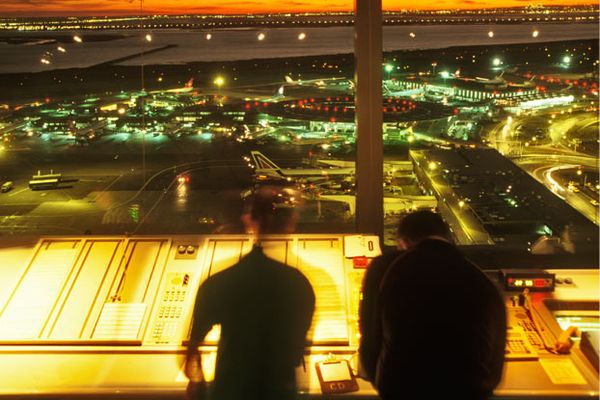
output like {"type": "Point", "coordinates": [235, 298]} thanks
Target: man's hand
{"type": "Point", "coordinates": [196, 391]}
{"type": "Point", "coordinates": [193, 367]}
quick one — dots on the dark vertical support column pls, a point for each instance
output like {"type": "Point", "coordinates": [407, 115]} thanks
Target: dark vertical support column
{"type": "Point", "coordinates": [369, 117]}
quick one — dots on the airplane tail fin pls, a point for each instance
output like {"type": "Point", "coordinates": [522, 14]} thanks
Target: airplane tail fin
{"type": "Point", "coordinates": [262, 163]}
{"type": "Point", "coordinates": [289, 80]}
{"type": "Point", "coordinates": [189, 83]}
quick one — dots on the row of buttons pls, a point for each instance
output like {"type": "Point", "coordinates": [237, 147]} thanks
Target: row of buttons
{"type": "Point", "coordinates": [170, 311]}
{"type": "Point", "coordinates": [560, 281]}
{"type": "Point", "coordinates": [174, 295]}
{"type": "Point", "coordinates": [516, 347]}
{"type": "Point", "coordinates": [189, 249]}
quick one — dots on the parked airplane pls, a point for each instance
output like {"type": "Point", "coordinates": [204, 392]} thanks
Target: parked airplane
{"type": "Point", "coordinates": [320, 82]}
{"type": "Point", "coordinates": [268, 169]}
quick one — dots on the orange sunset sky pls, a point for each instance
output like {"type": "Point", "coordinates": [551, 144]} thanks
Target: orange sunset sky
{"type": "Point", "coordinates": [119, 7]}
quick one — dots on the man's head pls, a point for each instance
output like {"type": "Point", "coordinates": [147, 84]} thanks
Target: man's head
{"type": "Point", "coordinates": [272, 209]}
{"type": "Point", "coordinates": [421, 225]}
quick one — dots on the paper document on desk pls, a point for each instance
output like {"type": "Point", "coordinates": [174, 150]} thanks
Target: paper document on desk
{"type": "Point", "coordinates": [562, 371]}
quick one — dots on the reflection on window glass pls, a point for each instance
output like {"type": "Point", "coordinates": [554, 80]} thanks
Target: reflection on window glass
{"type": "Point", "coordinates": [149, 117]}
{"type": "Point", "coordinates": [490, 118]}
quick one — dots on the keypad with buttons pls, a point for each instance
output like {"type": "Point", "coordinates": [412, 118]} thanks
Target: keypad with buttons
{"type": "Point", "coordinates": [170, 309]}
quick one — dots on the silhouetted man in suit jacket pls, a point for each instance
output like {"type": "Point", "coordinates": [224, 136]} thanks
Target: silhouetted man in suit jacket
{"type": "Point", "coordinates": [443, 322]}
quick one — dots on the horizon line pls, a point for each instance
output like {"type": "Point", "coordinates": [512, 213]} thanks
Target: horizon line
{"type": "Point", "coordinates": [151, 13]}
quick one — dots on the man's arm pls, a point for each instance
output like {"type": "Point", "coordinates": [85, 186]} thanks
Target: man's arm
{"type": "Point", "coordinates": [204, 318]}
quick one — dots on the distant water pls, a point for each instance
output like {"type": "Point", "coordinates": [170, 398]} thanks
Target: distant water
{"type": "Point", "coordinates": [242, 44]}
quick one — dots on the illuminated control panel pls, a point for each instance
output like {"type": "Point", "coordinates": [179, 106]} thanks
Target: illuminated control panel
{"type": "Point", "coordinates": [114, 313]}
{"type": "Point", "coordinates": [533, 280]}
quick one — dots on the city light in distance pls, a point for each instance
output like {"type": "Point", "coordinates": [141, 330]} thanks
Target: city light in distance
{"type": "Point", "coordinates": [302, 36]}
{"type": "Point", "coordinates": [566, 59]}
{"type": "Point", "coordinates": [445, 74]}
{"type": "Point", "coordinates": [45, 61]}
{"type": "Point", "coordinates": [148, 37]}
{"type": "Point", "coordinates": [535, 33]}
{"type": "Point", "coordinates": [491, 34]}
{"type": "Point", "coordinates": [208, 36]}
{"type": "Point", "coordinates": [412, 35]}
{"type": "Point", "coordinates": [77, 39]}
{"type": "Point", "coordinates": [496, 61]}
{"type": "Point", "coordinates": [219, 81]}
{"type": "Point", "coordinates": [61, 49]}
{"type": "Point", "coordinates": [432, 165]}
{"type": "Point", "coordinates": [261, 36]}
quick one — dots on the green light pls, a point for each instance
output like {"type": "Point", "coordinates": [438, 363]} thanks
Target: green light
{"type": "Point", "coordinates": [497, 62]}
{"type": "Point", "coordinates": [445, 74]}
{"type": "Point", "coordinates": [566, 59]}
{"type": "Point", "coordinates": [389, 68]}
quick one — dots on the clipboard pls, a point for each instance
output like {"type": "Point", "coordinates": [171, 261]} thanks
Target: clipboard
{"type": "Point", "coordinates": [336, 376]}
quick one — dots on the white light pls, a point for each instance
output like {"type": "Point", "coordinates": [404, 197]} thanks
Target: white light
{"type": "Point", "coordinates": [208, 36]}
{"type": "Point", "coordinates": [535, 33]}
{"type": "Point", "coordinates": [412, 34]}
{"type": "Point", "coordinates": [45, 61]}
{"type": "Point", "coordinates": [566, 59]}
{"type": "Point", "coordinates": [491, 34]}
{"type": "Point", "coordinates": [77, 39]}
{"type": "Point", "coordinates": [61, 49]}
{"type": "Point", "coordinates": [261, 36]}
{"type": "Point", "coordinates": [496, 62]}
{"type": "Point", "coordinates": [302, 36]}
{"type": "Point", "coordinates": [148, 37]}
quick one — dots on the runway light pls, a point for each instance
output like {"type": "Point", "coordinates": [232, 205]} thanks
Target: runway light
{"type": "Point", "coordinates": [491, 34]}
{"type": "Point", "coordinates": [208, 36]}
{"type": "Point", "coordinates": [77, 39]}
{"type": "Point", "coordinates": [219, 81]}
{"type": "Point", "coordinates": [261, 36]}
{"type": "Point", "coordinates": [535, 33]}
{"type": "Point", "coordinates": [302, 36]}
{"type": "Point", "coordinates": [148, 37]}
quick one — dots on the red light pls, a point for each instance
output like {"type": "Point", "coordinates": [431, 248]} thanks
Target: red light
{"type": "Point", "coordinates": [360, 262]}
{"type": "Point", "coordinates": [539, 283]}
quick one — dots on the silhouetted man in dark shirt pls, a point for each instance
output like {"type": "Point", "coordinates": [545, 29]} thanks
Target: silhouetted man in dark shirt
{"type": "Point", "coordinates": [443, 322]}
{"type": "Point", "coordinates": [368, 320]}
{"type": "Point", "coordinates": [264, 308]}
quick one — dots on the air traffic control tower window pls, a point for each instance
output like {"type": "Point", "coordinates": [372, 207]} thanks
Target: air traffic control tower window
{"type": "Point", "coordinates": [148, 117]}
{"type": "Point", "coordinates": [490, 117]}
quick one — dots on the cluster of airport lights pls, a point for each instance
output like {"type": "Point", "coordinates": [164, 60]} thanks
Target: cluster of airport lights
{"type": "Point", "coordinates": [261, 36]}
